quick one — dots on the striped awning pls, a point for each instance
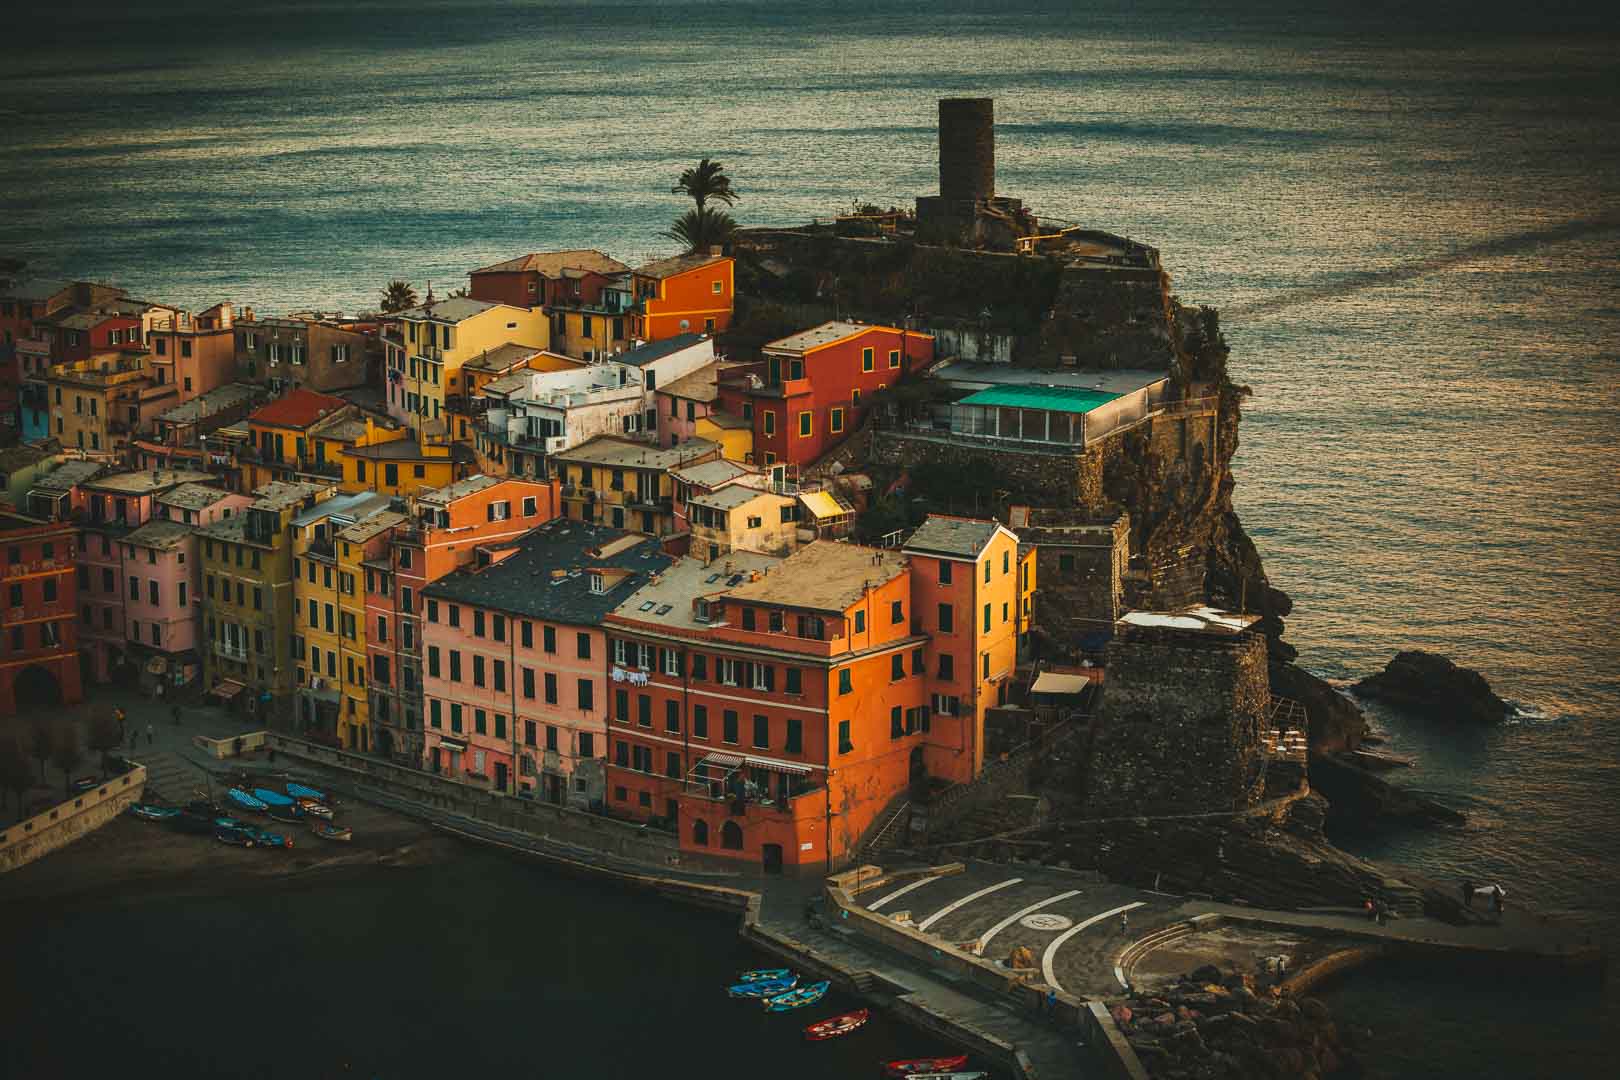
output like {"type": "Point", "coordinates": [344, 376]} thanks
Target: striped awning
{"type": "Point", "coordinates": [725, 761]}
{"type": "Point", "coordinates": [792, 768]}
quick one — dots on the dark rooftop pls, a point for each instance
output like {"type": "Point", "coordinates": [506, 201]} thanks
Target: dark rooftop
{"type": "Point", "coordinates": [657, 350]}
{"type": "Point", "coordinates": [958, 537]}
{"type": "Point", "coordinates": [523, 584]}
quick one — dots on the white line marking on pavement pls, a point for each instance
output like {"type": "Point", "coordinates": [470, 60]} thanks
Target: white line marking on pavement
{"type": "Point", "coordinates": [901, 891]}
{"type": "Point", "coordinates": [966, 900]}
{"type": "Point", "coordinates": [1051, 950]}
{"type": "Point", "coordinates": [1119, 973]}
{"type": "Point", "coordinates": [984, 939]}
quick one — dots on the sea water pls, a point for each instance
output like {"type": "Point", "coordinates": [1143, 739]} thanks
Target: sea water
{"type": "Point", "coordinates": [1407, 214]}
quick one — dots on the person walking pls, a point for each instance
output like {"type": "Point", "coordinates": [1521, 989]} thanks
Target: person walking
{"type": "Point", "coordinates": [149, 733]}
{"type": "Point", "coordinates": [1124, 922]}
{"type": "Point", "coordinates": [1468, 892]}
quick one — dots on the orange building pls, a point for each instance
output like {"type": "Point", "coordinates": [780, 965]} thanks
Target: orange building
{"type": "Point", "coordinates": [966, 576]}
{"type": "Point", "coordinates": [690, 293]}
{"type": "Point", "coordinates": [770, 710]}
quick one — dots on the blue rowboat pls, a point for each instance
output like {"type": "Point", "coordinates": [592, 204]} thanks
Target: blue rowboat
{"type": "Point", "coordinates": [760, 988]}
{"type": "Point", "coordinates": [797, 998]}
{"type": "Point", "coordinates": [299, 791]}
{"type": "Point", "coordinates": [154, 813]}
{"type": "Point", "coordinates": [764, 973]}
{"type": "Point", "coordinates": [242, 800]}
{"type": "Point", "coordinates": [272, 798]}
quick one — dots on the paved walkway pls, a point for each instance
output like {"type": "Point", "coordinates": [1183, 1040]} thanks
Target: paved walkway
{"type": "Point", "coordinates": [1076, 929]}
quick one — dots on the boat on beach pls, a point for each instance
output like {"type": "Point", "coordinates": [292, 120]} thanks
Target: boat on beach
{"type": "Point", "coordinates": [301, 791]}
{"type": "Point", "coordinates": [147, 812]}
{"type": "Point", "coordinates": [977, 1075]}
{"type": "Point", "coordinates": [273, 798]}
{"type": "Point", "coordinates": [761, 988]}
{"type": "Point", "coordinates": [797, 998]}
{"type": "Point", "coordinates": [327, 831]}
{"type": "Point", "coordinates": [913, 1067]}
{"type": "Point", "coordinates": [834, 1026]}
{"type": "Point", "coordinates": [313, 807]}
{"type": "Point", "coordinates": [243, 801]}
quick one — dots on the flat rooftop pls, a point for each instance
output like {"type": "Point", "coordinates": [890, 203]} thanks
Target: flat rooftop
{"type": "Point", "coordinates": [278, 495]}
{"type": "Point", "coordinates": [712, 474]}
{"type": "Point", "coordinates": [1204, 620]}
{"type": "Point", "coordinates": [225, 397]}
{"type": "Point", "coordinates": [159, 534]}
{"type": "Point", "coordinates": [817, 336]}
{"type": "Point", "coordinates": [669, 600]}
{"type": "Point", "coordinates": [443, 496]}
{"type": "Point", "coordinates": [622, 453]}
{"type": "Point", "coordinates": [824, 576]}
{"type": "Point", "coordinates": [192, 496]}
{"type": "Point", "coordinates": [146, 481]}
{"type": "Point", "coordinates": [953, 537]}
{"type": "Point", "coordinates": [732, 496]}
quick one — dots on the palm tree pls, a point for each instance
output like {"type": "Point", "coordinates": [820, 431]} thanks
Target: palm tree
{"type": "Point", "coordinates": [698, 230]}
{"type": "Point", "coordinates": [398, 297]}
{"type": "Point", "coordinates": [707, 181]}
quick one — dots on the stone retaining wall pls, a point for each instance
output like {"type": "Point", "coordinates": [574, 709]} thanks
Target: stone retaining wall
{"type": "Point", "coordinates": [31, 838]}
{"type": "Point", "coordinates": [538, 819]}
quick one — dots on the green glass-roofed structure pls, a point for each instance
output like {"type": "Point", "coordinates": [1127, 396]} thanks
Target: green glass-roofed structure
{"type": "Point", "coordinates": [1070, 399]}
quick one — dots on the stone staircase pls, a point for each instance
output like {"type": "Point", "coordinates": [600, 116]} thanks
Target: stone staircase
{"type": "Point", "coordinates": [891, 833]}
{"type": "Point", "coordinates": [1405, 900]}
{"type": "Point", "coordinates": [171, 777]}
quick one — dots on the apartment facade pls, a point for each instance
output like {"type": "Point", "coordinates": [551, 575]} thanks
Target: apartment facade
{"type": "Point", "coordinates": [818, 383]}
{"type": "Point", "coordinates": [39, 656]}
{"type": "Point", "coordinates": [515, 666]}
{"type": "Point", "coordinates": [426, 346]}
{"type": "Point", "coordinates": [307, 353]}
{"type": "Point", "coordinates": [449, 527]}
{"type": "Point", "coordinates": [967, 590]}
{"type": "Point", "coordinates": [248, 598]}
{"type": "Point", "coordinates": [162, 602]}
{"type": "Point", "coordinates": [192, 353]}
{"type": "Point", "coordinates": [546, 278]}
{"type": "Point", "coordinates": [775, 708]}
{"type": "Point", "coordinates": [692, 293]}
{"type": "Point", "coordinates": [624, 484]}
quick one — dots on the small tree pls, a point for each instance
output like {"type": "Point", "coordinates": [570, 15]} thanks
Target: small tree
{"type": "Point", "coordinates": [398, 297]}
{"type": "Point", "coordinates": [41, 741]}
{"type": "Point", "coordinates": [104, 735]}
{"type": "Point", "coordinates": [66, 753]}
{"type": "Point", "coordinates": [16, 775]}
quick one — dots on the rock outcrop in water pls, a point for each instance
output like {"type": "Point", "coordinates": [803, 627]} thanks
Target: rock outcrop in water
{"type": "Point", "coordinates": [1429, 684]}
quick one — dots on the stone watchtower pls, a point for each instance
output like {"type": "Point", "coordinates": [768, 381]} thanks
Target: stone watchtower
{"type": "Point", "coordinates": [967, 212]}
{"type": "Point", "coordinates": [1184, 716]}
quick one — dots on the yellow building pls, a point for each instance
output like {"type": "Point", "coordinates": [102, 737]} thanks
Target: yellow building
{"type": "Point", "coordinates": [98, 402]}
{"type": "Point", "coordinates": [733, 434]}
{"type": "Point", "coordinates": [625, 484]}
{"type": "Point", "coordinates": [367, 539]}
{"type": "Point", "coordinates": [317, 622]}
{"type": "Point", "coordinates": [427, 346]}
{"type": "Point", "coordinates": [401, 463]}
{"type": "Point", "coordinates": [295, 436]}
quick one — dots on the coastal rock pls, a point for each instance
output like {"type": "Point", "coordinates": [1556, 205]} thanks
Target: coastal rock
{"type": "Point", "coordinates": [1334, 722]}
{"type": "Point", "coordinates": [1428, 683]}
{"type": "Point", "coordinates": [1360, 795]}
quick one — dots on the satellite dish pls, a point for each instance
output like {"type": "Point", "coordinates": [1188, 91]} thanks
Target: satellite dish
{"type": "Point", "coordinates": [685, 325]}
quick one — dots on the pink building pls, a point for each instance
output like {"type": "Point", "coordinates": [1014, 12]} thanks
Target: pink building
{"type": "Point", "coordinates": [108, 509]}
{"type": "Point", "coordinates": [515, 666]}
{"type": "Point", "coordinates": [160, 597]}
{"type": "Point", "coordinates": [199, 504]}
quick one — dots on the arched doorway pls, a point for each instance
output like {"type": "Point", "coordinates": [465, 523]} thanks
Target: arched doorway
{"type": "Point", "coordinates": [700, 833]}
{"type": "Point", "coordinates": [731, 836]}
{"type": "Point", "coordinates": [771, 857]}
{"type": "Point", "coordinates": [37, 687]}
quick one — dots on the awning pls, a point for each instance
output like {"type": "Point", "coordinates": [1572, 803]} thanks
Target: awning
{"type": "Point", "coordinates": [821, 504]}
{"type": "Point", "coordinates": [725, 761]}
{"type": "Point", "coordinates": [1052, 682]}
{"type": "Point", "coordinates": [158, 665]}
{"type": "Point", "coordinates": [451, 744]}
{"type": "Point", "coordinates": [227, 689]}
{"type": "Point", "coordinates": [792, 768]}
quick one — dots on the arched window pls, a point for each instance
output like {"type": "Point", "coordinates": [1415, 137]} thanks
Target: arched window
{"type": "Point", "coordinates": [700, 833]}
{"type": "Point", "coordinates": [731, 836]}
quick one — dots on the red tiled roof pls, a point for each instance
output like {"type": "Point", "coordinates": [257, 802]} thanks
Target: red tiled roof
{"type": "Point", "coordinates": [298, 409]}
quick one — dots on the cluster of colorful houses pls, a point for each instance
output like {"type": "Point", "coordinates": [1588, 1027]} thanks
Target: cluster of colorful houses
{"type": "Point", "coordinates": [540, 538]}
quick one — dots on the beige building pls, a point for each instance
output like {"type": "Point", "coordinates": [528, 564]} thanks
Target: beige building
{"type": "Point", "coordinates": [97, 403]}
{"type": "Point", "coordinates": [425, 348]}
{"type": "Point", "coordinates": [738, 517]}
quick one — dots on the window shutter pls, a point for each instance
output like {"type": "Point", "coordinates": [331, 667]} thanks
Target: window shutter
{"type": "Point", "coordinates": [770, 678]}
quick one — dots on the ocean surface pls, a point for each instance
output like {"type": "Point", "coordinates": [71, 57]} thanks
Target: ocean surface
{"type": "Point", "coordinates": [1407, 214]}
